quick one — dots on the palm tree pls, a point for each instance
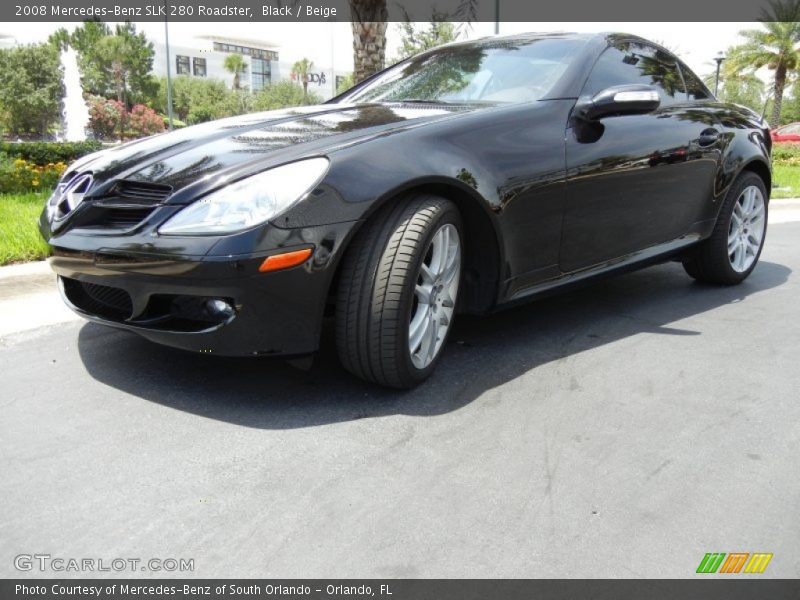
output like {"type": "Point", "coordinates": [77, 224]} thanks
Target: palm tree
{"type": "Point", "coordinates": [415, 40]}
{"type": "Point", "coordinates": [776, 46]}
{"type": "Point", "coordinates": [301, 69]}
{"type": "Point", "coordinates": [742, 88]}
{"type": "Point", "coordinates": [234, 63]}
{"type": "Point", "coordinates": [369, 19]}
{"type": "Point", "coordinates": [369, 32]}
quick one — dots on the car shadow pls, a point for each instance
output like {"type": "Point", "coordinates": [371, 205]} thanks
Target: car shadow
{"type": "Point", "coordinates": [483, 353]}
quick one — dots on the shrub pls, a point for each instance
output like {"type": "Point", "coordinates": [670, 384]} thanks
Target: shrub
{"type": "Point", "coordinates": [282, 94]}
{"type": "Point", "coordinates": [42, 153]}
{"type": "Point", "coordinates": [344, 84]}
{"type": "Point", "coordinates": [109, 119]}
{"type": "Point", "coordinates": [144, 121]}
{"type": "Point", "coordinates": [195, 100]}
{"type": "Point", "coordinates": [239, 102]}
{"type": "Point", "coordinates": [176, 123]}
{"type": "Point", "coordinates": [786, 154]}
{"type": "Point", "coordinates": [19, 175]}
{"type": "Point", "coordinates": [106, 117]}
{"type": "Point", "coordinates": [201, 114]}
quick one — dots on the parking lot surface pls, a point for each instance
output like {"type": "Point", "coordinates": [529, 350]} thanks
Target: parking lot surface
{"type": "Point", "coordinates": [621, 430]}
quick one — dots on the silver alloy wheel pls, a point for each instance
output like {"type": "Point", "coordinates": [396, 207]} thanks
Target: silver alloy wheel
{"type": "Point", "coordinates": [435, 293]}
{"type": "Point", "coordinates": [746, 233]}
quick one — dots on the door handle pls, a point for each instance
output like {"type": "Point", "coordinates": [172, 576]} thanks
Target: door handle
{"type": "Point", "coordinates": [708, 137]}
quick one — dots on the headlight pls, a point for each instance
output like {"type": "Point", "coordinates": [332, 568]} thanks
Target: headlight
{"type": "Point", "coordinates": [248, 202]}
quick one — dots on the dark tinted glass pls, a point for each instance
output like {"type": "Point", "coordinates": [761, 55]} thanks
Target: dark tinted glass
{"type": "Point", "coordinates": [503, 70]}
{"type": "Point", "coordinates": [634, 62]}
{"type": "Point", "coordinates": [694, 87]}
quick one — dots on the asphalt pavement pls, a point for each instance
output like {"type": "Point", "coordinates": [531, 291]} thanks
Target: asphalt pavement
{"type": "Point", "coordinates": [620, 430]}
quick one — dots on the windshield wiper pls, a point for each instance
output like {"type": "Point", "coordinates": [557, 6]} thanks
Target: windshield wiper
{"type": "Point", "coordinates": [420, 101]}
{"type": "Point", "coordinates": [442, 102]}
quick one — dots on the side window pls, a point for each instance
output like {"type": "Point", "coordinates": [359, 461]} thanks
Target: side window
{"type": "Point", "coordinates": [694, 87]}
{"type": "Point", "coordinates": [633, 62]}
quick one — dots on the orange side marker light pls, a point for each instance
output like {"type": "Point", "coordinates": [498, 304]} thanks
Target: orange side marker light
{"type": "Point", "coordinates": [276, 262]}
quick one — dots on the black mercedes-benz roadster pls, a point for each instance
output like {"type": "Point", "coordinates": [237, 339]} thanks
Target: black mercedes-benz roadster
{"type": "Point", "coordinates": [464, 179]}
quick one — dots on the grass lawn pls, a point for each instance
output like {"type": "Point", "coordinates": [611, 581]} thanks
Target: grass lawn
{"type": "Point", "coordinates": [19, 235]}
{"type": "Point", "coordinates": [785, 181]}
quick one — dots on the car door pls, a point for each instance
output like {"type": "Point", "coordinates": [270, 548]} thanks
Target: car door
{"type": "Point", "coordinates": [637, 180]}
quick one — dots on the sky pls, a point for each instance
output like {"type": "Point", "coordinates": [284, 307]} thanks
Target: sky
{"type": "Point", "coordinates": [331, 42]}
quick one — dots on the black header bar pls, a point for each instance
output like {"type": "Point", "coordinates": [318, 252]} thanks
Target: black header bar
{"type": "Point", "coordinates": [712, 588]}
{"type": "Point", "coordinates": [418, 10]}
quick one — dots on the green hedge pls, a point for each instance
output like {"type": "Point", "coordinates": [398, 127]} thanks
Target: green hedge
{"type": "Point", "coordinates": [786, 154]}
{"type": "Point", "coordinates": [42, 153]}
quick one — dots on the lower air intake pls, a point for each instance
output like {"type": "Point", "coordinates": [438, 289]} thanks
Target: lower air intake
{"type": "Point", "coordinates": [100, 300]}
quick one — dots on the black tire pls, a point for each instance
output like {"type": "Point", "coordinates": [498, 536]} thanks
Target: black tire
{"type": "Point", "coordinates": [709, 261]}
{"type": "Point", "coordinates": [376, 290]}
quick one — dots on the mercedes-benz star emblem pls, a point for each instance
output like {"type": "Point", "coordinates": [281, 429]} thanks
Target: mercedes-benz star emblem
{"type": "Point", "coordinates": [70, 195]}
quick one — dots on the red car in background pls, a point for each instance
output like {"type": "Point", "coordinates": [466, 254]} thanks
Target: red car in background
{"type": "Point", "coordinates": [787, 133]}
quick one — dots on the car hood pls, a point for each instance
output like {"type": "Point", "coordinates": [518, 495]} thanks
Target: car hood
{"type": "Point", "coordinates": [196, 157]}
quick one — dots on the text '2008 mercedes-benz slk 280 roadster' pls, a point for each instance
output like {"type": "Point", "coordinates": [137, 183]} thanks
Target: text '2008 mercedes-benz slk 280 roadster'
{"type": "Point", "coordinates": [464, 179]}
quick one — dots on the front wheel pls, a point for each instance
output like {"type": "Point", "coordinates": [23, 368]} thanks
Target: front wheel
{"type": "Point", "coordinates": [398, 290]}
{"type": "Point", "coordinates": [730, 254]}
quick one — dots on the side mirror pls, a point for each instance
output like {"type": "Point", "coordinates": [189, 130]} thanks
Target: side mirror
{"type": "Point", "coordinates": [618, 100]}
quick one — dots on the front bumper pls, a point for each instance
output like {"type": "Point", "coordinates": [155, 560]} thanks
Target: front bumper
{"type": "Point", "coordinates": [159, 293]}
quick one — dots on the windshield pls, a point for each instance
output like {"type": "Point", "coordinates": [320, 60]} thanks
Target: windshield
{"type": "Point", "coordinates": [494, 71]}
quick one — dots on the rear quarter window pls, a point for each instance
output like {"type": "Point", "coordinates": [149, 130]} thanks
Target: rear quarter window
{"type": "Point", "coordinates": [632, 62]}
{"type": "Point", "coordinates": [695, 89]}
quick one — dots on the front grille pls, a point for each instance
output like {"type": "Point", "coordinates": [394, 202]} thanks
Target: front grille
{"type": "Point", "coordinates": [123, 217]}
{"type": "Point", "coordinates": [151, 193]}
{"type": "Point", "coordinates": [114, 218]}
{"type": "Point", "coordinates": [125, 206]}
{"type": "Point", "coordinates": [101, 300]}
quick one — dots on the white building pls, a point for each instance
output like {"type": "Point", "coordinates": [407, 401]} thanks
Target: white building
{"type": "Point", "coordinates": [264, 66]}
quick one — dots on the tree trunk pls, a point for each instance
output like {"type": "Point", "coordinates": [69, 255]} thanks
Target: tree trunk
{"type": "Point", "coordinates": [118, 73]}
{"type": "Point", "coordinates": [305, 89]}
{"type": "Point", "coordinates": [236, 80]}
{"type": "Point", "coordinates": [369, 37]}
{"type": "Point", "coordinates": [122, 100]}
{"type": "Point", "coordinates": [777, 98]}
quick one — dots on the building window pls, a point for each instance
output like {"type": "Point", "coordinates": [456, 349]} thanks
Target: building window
{"type": "Point", "coordinates": [260, 74]}
{"type": "Point", "coordinates": [199, 67]}
{"type": "Point", "coordinates": [182, 65]}
{"type": "Point", "coordinates": [247, 51]}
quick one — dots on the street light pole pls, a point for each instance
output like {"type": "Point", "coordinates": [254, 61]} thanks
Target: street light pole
{"type": "Point", "coordinates": [718, 59]}
{"type": "Point", "coordinates": [333, 62]}
{"type": "Point", "coordinates": [496, 17]}
{"type": "Point", "coordinates": [169, 73]}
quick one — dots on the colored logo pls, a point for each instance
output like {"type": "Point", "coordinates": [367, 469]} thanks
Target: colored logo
{"type": "Point", "coordinates": [734, 562]}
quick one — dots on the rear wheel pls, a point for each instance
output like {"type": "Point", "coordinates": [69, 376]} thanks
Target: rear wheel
{"type": "Point", "coordinates": [398, 291]}
{"type": "Point", "coordinates": [732, 251]}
